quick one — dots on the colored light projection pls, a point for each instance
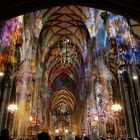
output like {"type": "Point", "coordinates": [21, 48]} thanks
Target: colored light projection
{"type": "Point", "coordinates": [45, 73]}
{"type": "Point", "coordinates": [90, 21]}
{"type": "Point", "coordinates": [127, 46]}
{"type": "Point", "coordinates": [100, 34]}
{"type": "Point", "coordinates": [124, 52]}
{"type": "Point", "coordinates": [11, 32]}
{"type": "Point", "coordinates": [49, 37]}
{"type": "Point", "coordinates": [10, 39]}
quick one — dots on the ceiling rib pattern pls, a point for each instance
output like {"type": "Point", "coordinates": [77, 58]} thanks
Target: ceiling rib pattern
{"type": "Point", "coordinates": [59, 24]}
{"type": "Point", "coordinates": [65, 23]}
{"type": "Point", "coordinates": [62, 97]}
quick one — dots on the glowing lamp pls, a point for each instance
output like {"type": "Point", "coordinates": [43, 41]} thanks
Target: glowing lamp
{"type": "Point", "coordinates": [135, 77]}
{"type": "Point", "coordinates": [12, 108]}
{"type": "Point", "coordinates": [66, 131]}
{"type": "Point", "coordinates": [56, 131]}
{"type": "Point", "coordinates": [30, 118]}
{"type": "Point", "coordinates": [1, 73]}
{"type": "Point", "coordinates": [116, 107]}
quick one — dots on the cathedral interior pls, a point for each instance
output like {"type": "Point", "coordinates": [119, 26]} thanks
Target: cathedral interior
{"type": "Point", "coordinates": [70, 68]}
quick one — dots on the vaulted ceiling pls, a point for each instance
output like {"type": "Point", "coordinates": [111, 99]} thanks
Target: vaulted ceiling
{"type": "Point", "coordinates": [63, 37]}
{"type": "Point", "coordinates": [60, 23]}
{"type": "Point", "coordinates": [62, 101]}
{"type": "Point", "coordinates": [64, 23]}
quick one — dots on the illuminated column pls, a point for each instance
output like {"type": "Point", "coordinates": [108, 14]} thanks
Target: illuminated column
{"type": "Point", "coordinates": [92, 91]}
{"type": "Point", "coordinates": [102, 125]}
{"type": "Point", "coordinates": [21, 118]}
{"type": "Point", "coordinates": [5, 97]}
{"type": "Point", "coordinates": [116, 109]}
{"type": "Point", "coordinates": [12, 108]}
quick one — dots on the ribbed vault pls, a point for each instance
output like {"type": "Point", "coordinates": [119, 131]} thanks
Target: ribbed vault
{"type": "Point", "coordinates": [65, 22]}
{"type": "Point", "coordinates": [62, 101]}
{"type": "Point", "coordinates": [59, 24]}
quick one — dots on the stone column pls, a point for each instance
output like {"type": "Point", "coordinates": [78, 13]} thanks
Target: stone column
{"type": "Point", "coordinates": [127, 105]}
{"type": "Point", "coordinates": [117, 124]}
{"type": "Point", "coordinates": [135, 99]}
{"type": "Point", "coordinates": [5, 98]}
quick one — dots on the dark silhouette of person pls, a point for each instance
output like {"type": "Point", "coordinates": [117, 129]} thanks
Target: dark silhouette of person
{"type": "Point", "coordinates": [86, 138]}
{"type": "Point", "coordinates": [43, 136]}
{"type": "Point", "coordinates": [5, 135]}
{"type": "Point", "coordinates": [130, 138]}
{"type": "Point", "coordinates": [57, 138]}
{"type": "Point", "coordinates": [77, 137]}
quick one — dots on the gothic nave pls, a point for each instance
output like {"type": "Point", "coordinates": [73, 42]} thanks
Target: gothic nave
{"type": "Point", "coordinates": [70, 69]}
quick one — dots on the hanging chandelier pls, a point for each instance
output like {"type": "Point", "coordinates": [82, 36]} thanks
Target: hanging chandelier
{"type": "Point", "coordinates": [67, 53]}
